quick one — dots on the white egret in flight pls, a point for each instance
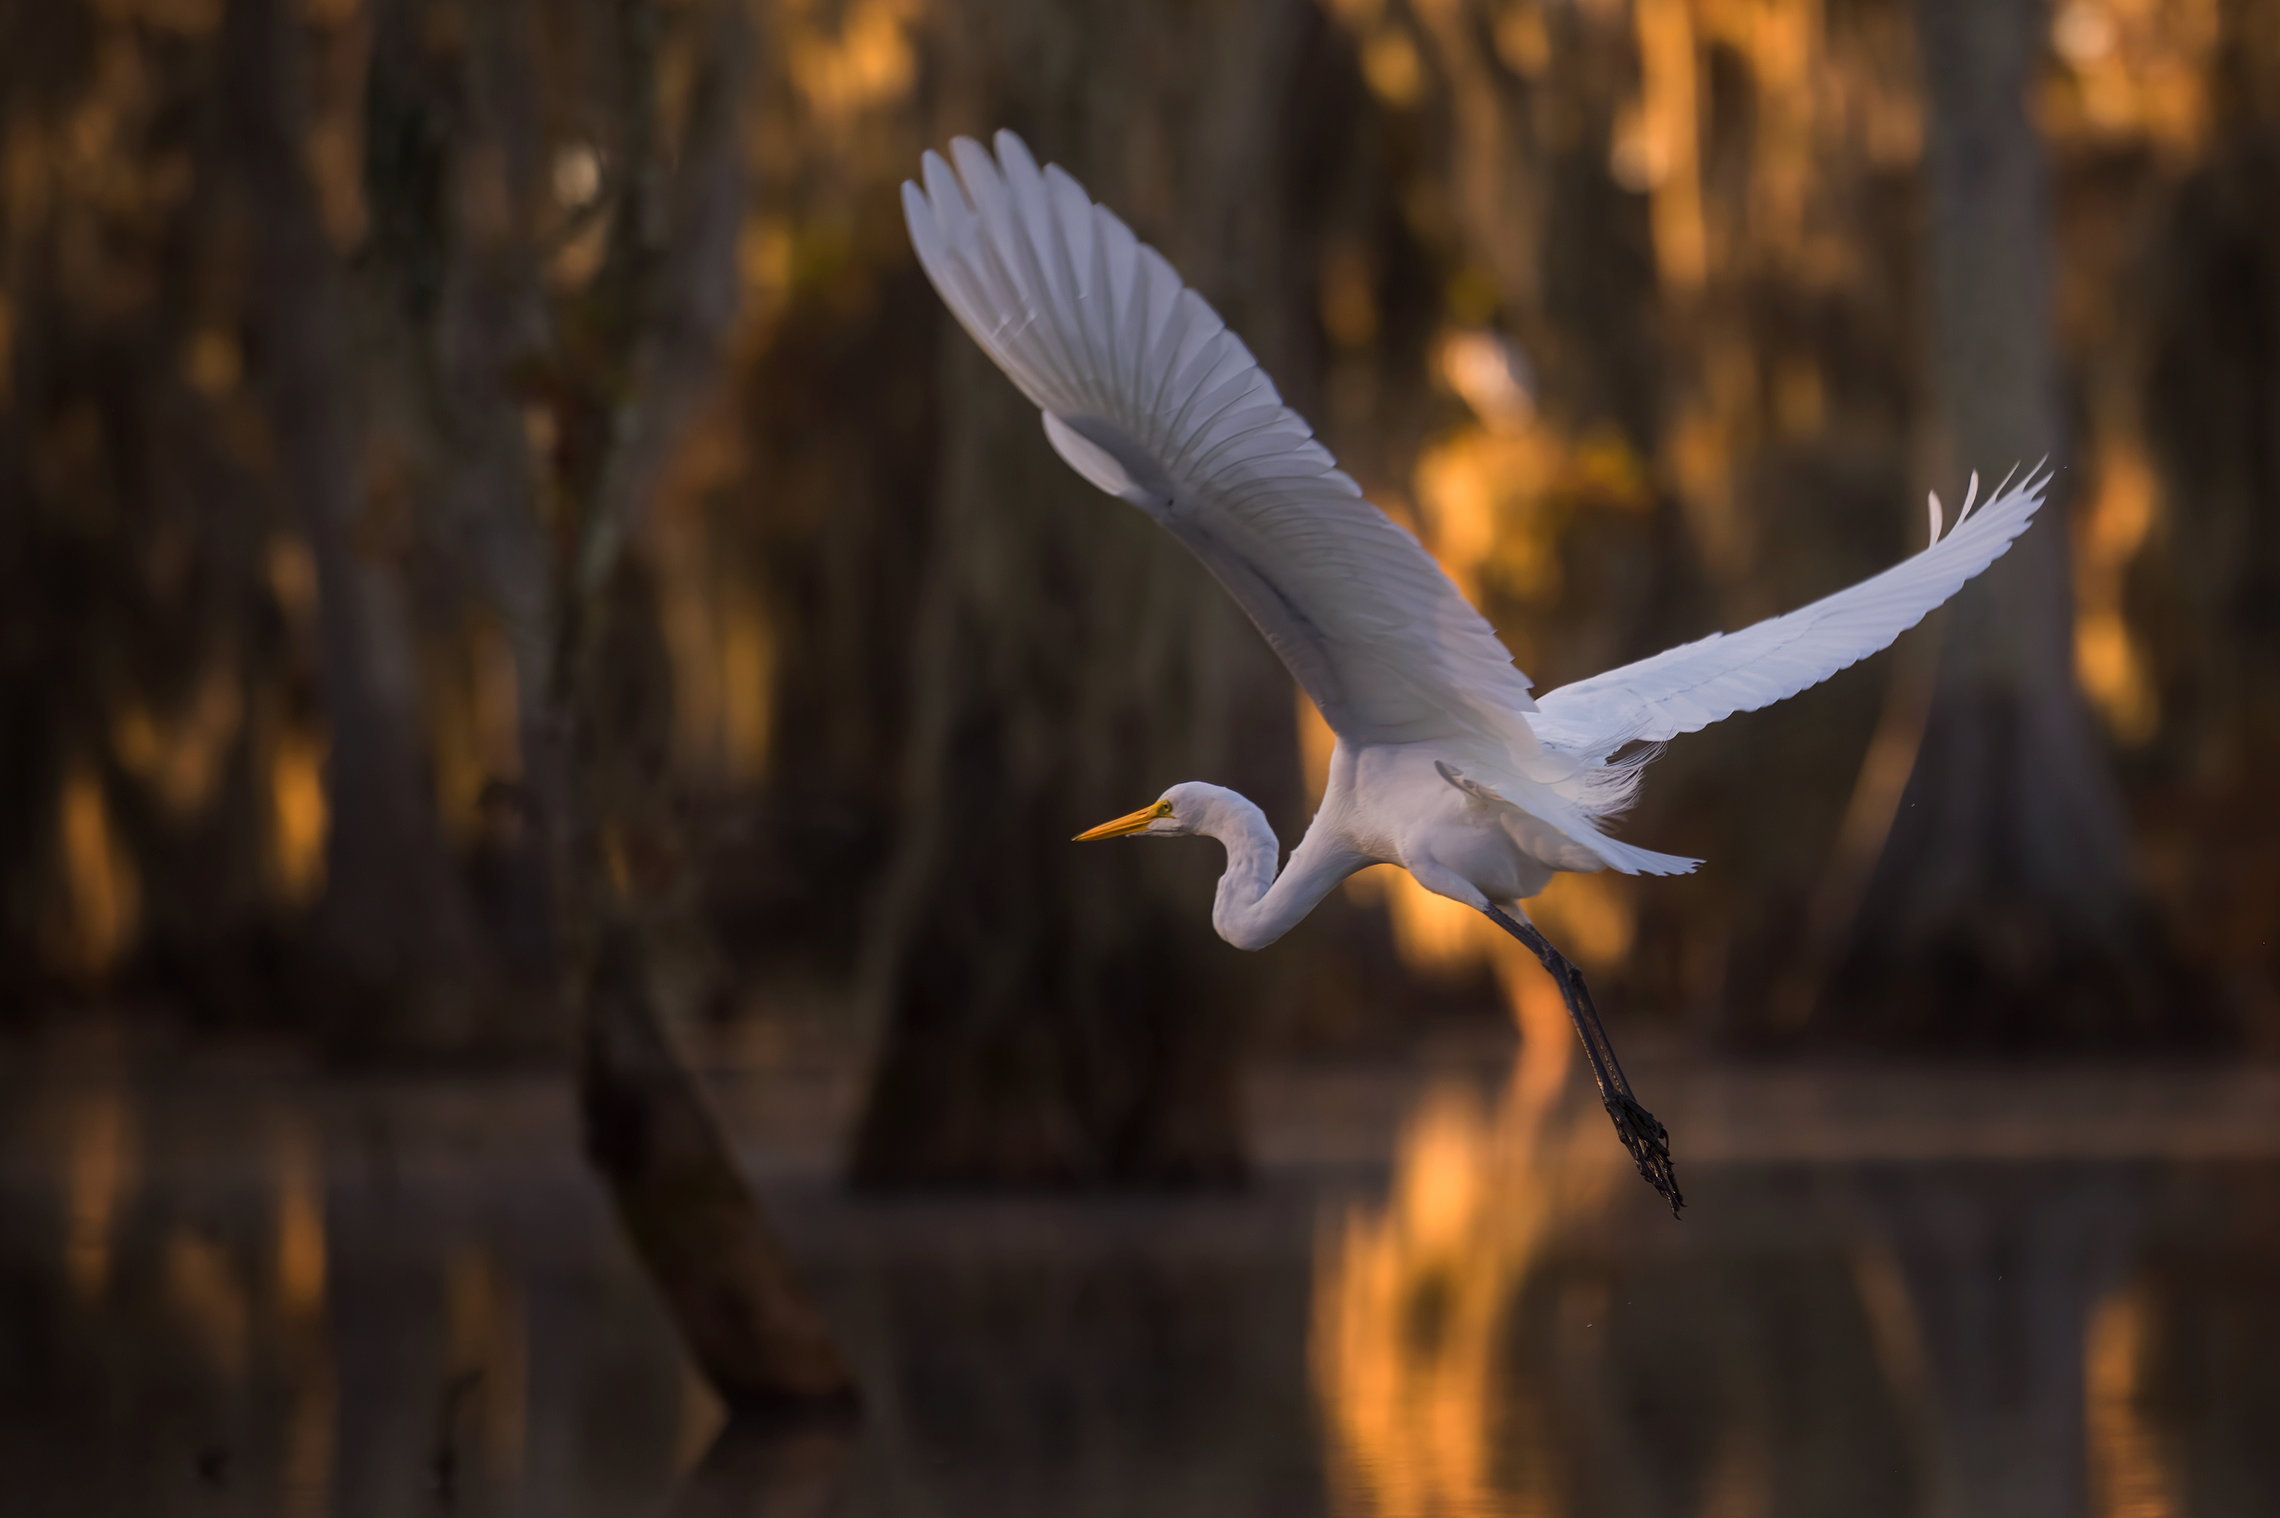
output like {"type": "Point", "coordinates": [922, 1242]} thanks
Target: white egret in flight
{"type": "Point", "coordinates": [1446, 764]}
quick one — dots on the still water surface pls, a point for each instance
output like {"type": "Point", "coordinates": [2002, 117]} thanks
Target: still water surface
{"type": "Point", "coordinates": [234, 1287]}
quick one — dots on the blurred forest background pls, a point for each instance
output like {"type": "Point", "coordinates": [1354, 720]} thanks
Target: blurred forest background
{"type": "Point", "coordinates": [486, 487]}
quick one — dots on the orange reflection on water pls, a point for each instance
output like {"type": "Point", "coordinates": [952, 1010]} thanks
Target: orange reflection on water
{"type": "Point", "coordinates": [98, 1171]}
{"type": "Point", "coordinates": [301, 1253]}
{"type": "Point", "coordinates": [487, 1343]}
{"type": "Point", "coordinates": [312, 1438]}
{"type": "Point", "coordinates": [302, 1269]}
{"type": "Point", "coordinates": [2130, 1475]}
{"type": "Point", "coordinates": [1410, 1298]}
{"type": "Point", "coordinates": [208, 1296]}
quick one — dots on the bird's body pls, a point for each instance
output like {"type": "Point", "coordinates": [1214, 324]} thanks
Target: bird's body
{"type": "Point", "coordinates": [1446, 764]}
{"type": "Point", "coordinates": [1383, 804]}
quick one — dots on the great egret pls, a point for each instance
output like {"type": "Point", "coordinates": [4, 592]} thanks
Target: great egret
{"type": "Point", "coordinates": [1445, 764]}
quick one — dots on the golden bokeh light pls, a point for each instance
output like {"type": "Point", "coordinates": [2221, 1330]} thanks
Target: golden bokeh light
{"type": "Point", "coordinates": [298, 816]}
{"type": "Point", "coordinates": [866, 62]}
{"type": "Point", "coordinates": [1657, 147]}
{"type": "Point", "coordinates": [2131, 1467]}
{"type": "Point", "coordinates": [474, 721]}
{"type": "Point", "coordinates": [2109, 533]}
{"type": "Point", "coordinates": [181, 758]}
{"type": "Point", "coordinates": [2134, 70]}
{"type": "Point", "coordinates": [101, 898]}
{"type": "Point", "coordinates": [212, 363]}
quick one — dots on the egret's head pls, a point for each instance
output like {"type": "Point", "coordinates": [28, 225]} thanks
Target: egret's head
{"type": "Point", "coordinates": [1175, 814]}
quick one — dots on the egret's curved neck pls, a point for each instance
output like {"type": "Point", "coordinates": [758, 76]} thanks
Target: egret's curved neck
{"type": "Point", "coordinates": [1254, 906]}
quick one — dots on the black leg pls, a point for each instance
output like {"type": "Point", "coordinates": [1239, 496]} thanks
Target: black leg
{"type": "Point", "coordinates": [1647, 1139]}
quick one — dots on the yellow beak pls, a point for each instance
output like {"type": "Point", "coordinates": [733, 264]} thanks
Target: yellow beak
{"type": "Point", "coordinates": [1134, 822]}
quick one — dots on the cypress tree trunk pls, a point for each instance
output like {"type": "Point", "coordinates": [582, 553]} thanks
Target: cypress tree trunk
{"type": "Point", "coordinates": [637, 950]}
{"type": "Point", "coordinates": [631, 354]}
{"type": "Point", "coordinates": [2003, 908]}
{"type": "Point", "coordinates": [1056, 1014]}
{"type": "Point", "coordinates": [2001, 1272]}
{"type": "Point", "coordinates": [638, 953]}
{"type": "Point", "coordinates": [395, 922]}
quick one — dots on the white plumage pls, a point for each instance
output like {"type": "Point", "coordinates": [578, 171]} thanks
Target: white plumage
{"type": "Point", "coordinates": [1446, 764]}
{"type": "Point", "coordinates": [1686, 688]}
{"type": "Point", "coordinates": [1148, 395]}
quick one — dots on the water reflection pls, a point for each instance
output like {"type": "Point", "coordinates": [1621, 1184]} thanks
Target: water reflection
{"type": "Point", "coordinates": [244, 1290]}
{"type": "Point", "coordinates": [1416, 1299]}
{"type": "Point", "coordinates": [769, 1471]}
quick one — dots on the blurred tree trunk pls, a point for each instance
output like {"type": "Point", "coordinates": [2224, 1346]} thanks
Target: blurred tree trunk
{"type": "Point", "coordinates": [394, 922]}
{"type": "Point", "coordinates": [632, 353]}
{"type": "Point", "coordinates": [615, 366]}
{"type": "Point", "coordinates": [2000, 1274]}
{"type": "Point", "coordinates": [638, 954]}
{"type": "Point", "coordinates": [135, 657]}
{"type": "Point", "coordinates": [2212, 402]}
{"type": "Point", "coordinates": [1056, 1014]}
{"type": "Point", "coordinates": [2003, 908]}
{"type": "Point", "coordinates": [638, 961]}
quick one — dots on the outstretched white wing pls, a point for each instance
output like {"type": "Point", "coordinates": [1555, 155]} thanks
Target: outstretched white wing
{"type": "Point", "coordinates": [1149, 396]}
{"type": "Point", "coordinates": [1691, 686]}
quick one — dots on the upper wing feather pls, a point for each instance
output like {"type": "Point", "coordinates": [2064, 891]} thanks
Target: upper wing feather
{"type": "Point", "coordinates": [1149, 396]}
{"type": "Point", "coordinates": [1691, 686]}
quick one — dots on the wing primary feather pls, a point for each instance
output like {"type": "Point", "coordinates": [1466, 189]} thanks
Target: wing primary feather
{"type": "Point", "coordinates": [1117, 264]}
{"type": "Point", "coordinates": [1695, 684]}
{"type": "Point", "coordinates": [1046, 240]}
{"type": "Point", "coordinates": [1220, 383]}
{"type": "Point", "coordinates": [1018, 249]}
{"type": "Point", "coordinates": [1065, 247]}
{"type": "Point", "coordinates": [1081, 240]}
{"type": "Point", "coordinates": [1001, 220]}
{"type": "Point", "coordinates": [1151, 396]}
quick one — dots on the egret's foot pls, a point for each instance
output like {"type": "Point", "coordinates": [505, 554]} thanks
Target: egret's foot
{"type": "Point", "coordinates": [1649, 1143]}
{"type": "Point", "coordinates": [1647, 1139]}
